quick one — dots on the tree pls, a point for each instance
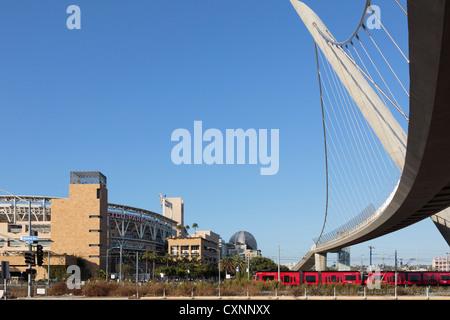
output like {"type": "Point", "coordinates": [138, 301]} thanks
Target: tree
{"type": "Point", "coordinates": [166, 258]}
{"type": "Point", "coordinates": [227, 265]}
{"type": "Point", "coordinates": [153, 256]}
{"type": "Point", "coordinates": [205, 270]}
{"type": "Point", "coordinates": [264, 264]}
{"type": "Point", "coordinates": [195, 226]}
{"type": "Point", "coordinates": [179, 228]}
{"type": "Point", "coordinates": [238, 263]}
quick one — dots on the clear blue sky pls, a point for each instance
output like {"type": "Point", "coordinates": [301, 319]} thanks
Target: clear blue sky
{"type": "Point", "coordinates": [107, 98]}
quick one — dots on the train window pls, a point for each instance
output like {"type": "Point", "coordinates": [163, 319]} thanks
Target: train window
{"type": "Point", "coordinates": [286, 279]}
{"type": "Point", "coordinates": [266, 278]}
{"type": "Point", "coordinates": [445, 277]}
{"type": "Point", "coordinates": [413, 278]}
{"type": "Point", "coordinates": [333, 278]}
{"type": "Point", "coordinates": [350, 278]}
{"type": "Point", "coordinates": [310, 278]}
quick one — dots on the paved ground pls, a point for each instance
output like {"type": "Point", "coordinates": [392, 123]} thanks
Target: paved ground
{"type": "Point", "coordinates": [246, 298]}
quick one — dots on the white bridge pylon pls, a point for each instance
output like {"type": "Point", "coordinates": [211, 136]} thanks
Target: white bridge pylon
{"type": "Point", "coordinates": [391, 135]}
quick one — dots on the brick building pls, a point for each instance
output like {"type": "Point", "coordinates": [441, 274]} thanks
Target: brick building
{"type": "Point", "coordinates": [84, 225]}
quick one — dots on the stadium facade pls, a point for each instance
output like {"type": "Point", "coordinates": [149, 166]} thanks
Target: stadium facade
{"type": "Point", "coordinates": [84, 225]}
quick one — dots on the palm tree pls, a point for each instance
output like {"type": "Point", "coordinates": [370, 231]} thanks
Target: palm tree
{"type": "Point", "coordinates": [195, 226]}
{"type": "Point", "coordinates": [238, 262]}
{"type": "Point", "coordinates": [227, 265]}
{"type": "Point", "coordinates": [152, 256]}
{"type": "Point", "coordinates": [166, 258]}
{"type": "Point", "coordinates": [187, 229]}
{"type": "Point", "coordinates": [179, 228]}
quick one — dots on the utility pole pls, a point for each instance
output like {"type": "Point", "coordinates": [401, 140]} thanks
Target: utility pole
{"type": "Point", "coordinates": [30, 248]}
{"type": "Point", "coordinates": [137, 275]}
{"type": "Point", "coordinates": [248, 267]}
{"type": "Point", "coordinates": [396, 268]}
{"type": "Point", "coordinates": [279, 280]}
{"type": "Point", "coordinates": [370, 248]}
{"type": "Point", "coordinates": [448, 262]}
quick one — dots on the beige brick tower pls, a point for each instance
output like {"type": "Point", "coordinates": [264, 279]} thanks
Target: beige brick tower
{"type": "Point", "coordinates": [79, 223]}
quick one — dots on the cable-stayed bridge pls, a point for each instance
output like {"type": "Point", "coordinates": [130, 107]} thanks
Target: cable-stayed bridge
{"type": "Point", "coordinates": [386, 120]}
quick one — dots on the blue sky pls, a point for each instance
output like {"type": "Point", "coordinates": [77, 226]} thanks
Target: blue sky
{"type": "Point", "coordinates": [108, 96]}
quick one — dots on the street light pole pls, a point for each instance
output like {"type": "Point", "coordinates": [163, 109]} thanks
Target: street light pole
{"type": "Point", "coordinates": [30, 247]}
{"type": "Point", "coordinates": [218, 256]}
{"type": "Point", "coordinates": [279, 280]}
{"type": "Point", "coordinates": [370, 248]}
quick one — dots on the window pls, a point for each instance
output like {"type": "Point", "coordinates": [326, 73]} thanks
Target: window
{"type": "Point", "coordinates": [15, 228]}
{"type": "Point", "coordinates": [184, 251]}
{"type": "Point", "coordinates": [266, 278]}
{"type": "Point", "coordinates": [350, 278]}
{"type": "Point", "coordinates": [310, 279]}
{"type": "Point", "coordinates": [413, 278]}
{"type": "Point", "coordinates": [14, 243]}
{"type": "Point", "coordinates": [286, 279]}
{"type": "Point", "coordinates": [174, 250]}
{"type": "Point", "coordinates": [98, 193]}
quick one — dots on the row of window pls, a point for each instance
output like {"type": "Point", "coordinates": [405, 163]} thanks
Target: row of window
{"type": "Point", "coordinates": [184, 248]}
{"type": "Point", "coordinates": [18, 243]}
{"type": "Point", "coordinates": [18, 228]}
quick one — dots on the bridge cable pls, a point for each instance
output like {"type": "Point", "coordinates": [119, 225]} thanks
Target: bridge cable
{"type": "Point", "coordinates": [387, 62]}
{"type": "Point", "coordinates": [376, 86]}
{"type": "Point", "coordinates": [371, 135]}
{"type": "Point", "coordinates": [325, 142]}
{"type": "Point", "coordinates": [361, 144]}
{"type": "Point", "coordinates": [346, 176]}
{"type": "Point", "coordinates": [337, 147]}
{"type": "Point", "coordinates": [357, 135]}
{"type": "Point", "coordinates": [397, 105]}
{"type": "Point", "coordinates": [353, 134]}
{"type": "Point", "coordinates": [401, 7]}
{"type": "Point", "coordinates": [352, 222]}
{"type": "Point", "coordinates": [395, 43]}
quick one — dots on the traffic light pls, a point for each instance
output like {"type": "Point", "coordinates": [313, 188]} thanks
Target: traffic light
{"type": "Point", "coordinates": [39, 255]}
{"type": "Point", "coordinates": [29, 258]}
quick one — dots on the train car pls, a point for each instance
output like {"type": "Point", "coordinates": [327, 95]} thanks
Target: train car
{"type": "Point", "coordinates": [387, 277]}
{"type": "Point", "coordinates": [311, 277]}
{"type": "Point", "coordinates": [291, 278]}
{"type": "Point", "coordinates": [435, 278]}
{"type": "Point", "coordinates": [410, 277]}
{"type": "Point", "coordinates": [344, 277]}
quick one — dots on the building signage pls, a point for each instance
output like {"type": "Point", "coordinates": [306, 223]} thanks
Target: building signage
{"type": "Point", "coordinates": [29, 239]}
{"type": "Point", "coordinates": [125, 216]}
